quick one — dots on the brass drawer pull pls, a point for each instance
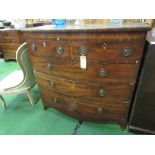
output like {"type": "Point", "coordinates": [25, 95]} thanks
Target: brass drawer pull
{"type": "Point", "coordinates": [100, 110]}
{"type": "Point", "coordinates": [49, 66]}
{"type": "Point", "coordinates": [103, 72]}
{"type": "Point", "coordinates": [83, 51]}
{"type": "Point", "coordinates": [127, 51]}
{"type": "Point", "coordinates": [51, 84]}
{"type": "Point", "coordinates": [33, 47]}
{"type": "Point", "coordinates": [56, 101]}
{"type": "Point", "coordinates": [102, 92]}
{"type": "Point", "coordinates": [59, 49]}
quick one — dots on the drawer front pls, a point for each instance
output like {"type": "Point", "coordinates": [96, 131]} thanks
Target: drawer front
{"type": "Point", "coordinates": [9, 46]}
{"type": "Point", "coordinates": [124, 73]}
{"type": "Point", "coordinates": [83, 109]}
{"type": "Point", "coordinates": [101, 93]}
{"type": "Point", "coordinates": [60, 49]}
{"type": "Point", "coordinates": [107, 51]}
{"type": "Point", "coordinates": [9, 34]}
{"type": "Point", "coordinates": [9, 54]}
{"type": "Point", "coordinates": [9, 40]}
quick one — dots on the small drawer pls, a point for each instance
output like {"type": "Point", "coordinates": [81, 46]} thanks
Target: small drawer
{"type": "Point", "coordinates": [9, 46]}
{"type": "Point", "coordinates": [83, 109]}
{"type": "Point", "coordinates": [106, 51]}
{"type": "Point", "coordinates": [10, 40]}
{"type": "Point", "coordinates": [55, 49]}
{"type": "Point", "coordinates": [102, 93]}
{"type": "Point", "coordinates": [9, 54]}
{"type": "Point", "coordinates": [9, 34]}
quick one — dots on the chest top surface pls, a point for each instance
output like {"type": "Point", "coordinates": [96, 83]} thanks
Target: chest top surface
{"type": "Point", "coordinates": [92, 27]}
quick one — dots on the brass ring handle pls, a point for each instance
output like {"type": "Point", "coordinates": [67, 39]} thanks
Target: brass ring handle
{"type": "Point", "coordinates": [59, 49]}
{"type": "Point", "coordinates": [100, 110]}
{"type": "Point", "coordinates": [49, 66]}
{"type": "Point", "coordinates": [56, 101]}
{"type": "Point", "coordinates": [127, 51]}
{"type": "Point", "coordinates": [103, 72]}
{"type": "Point", "coordinates": [102, 92]}
{"type": "Point", "coordinates": [33, 47]}
{"type": "Point", "coordinates": [83, 51]}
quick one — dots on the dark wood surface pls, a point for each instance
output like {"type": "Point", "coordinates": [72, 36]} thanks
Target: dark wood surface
{"type": "Point", "coordinates": [84, 93]}
{"type": "Point", "coordinates": [143, 110]}
{"type": "Point", "coordinates": [85, 109]}
{"type": "Point", "coordinates": [93, 27]}
{"type": "Point", "coordinates": [10, 40]}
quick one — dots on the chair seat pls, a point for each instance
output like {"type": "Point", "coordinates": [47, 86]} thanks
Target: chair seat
{"type": "Point", "coordinates": [11, 80]}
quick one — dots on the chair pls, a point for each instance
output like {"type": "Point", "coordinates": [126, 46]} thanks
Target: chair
{"type": "Point", "coordinates": [19, 81]}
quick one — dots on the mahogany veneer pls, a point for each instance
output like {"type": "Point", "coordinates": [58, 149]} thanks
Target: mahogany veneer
{"type": "Point", "coordinates": [10, 40]}
{"type": "Point", "coordinates": [103, 91]}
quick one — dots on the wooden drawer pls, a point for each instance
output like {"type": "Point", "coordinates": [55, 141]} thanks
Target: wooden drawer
{"type": "Point", "coordinates": [84, 109]}
{"type": "Point", "coordinates": [9, 46]}
{"type": "Point", "coordinates": [107, 51]}
{"type": "Point", "coordinates": [101, 93]}
{"type": "Point", "coordinates": [60, 49]}
{"type": "Point", "coordinates": [9, 40]}
{"type": "Point", "coordinates": [9, 34]}
{"type": "Point", "coordinates": [10, 54]}
{"type": "Point", "coordinates": [124, 73]}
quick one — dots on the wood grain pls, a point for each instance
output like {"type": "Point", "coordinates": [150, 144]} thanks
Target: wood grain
{"type": "Point", "coordinates": [10, 40]}
{"type": "Point", "coordinates": [78, 92]}
{"type": "Point", "coordinates": [86, 91]}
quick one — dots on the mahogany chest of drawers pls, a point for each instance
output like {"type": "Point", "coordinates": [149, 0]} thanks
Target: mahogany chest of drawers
{"type": "Point", "coordinates": [10, 40]}
{"type": "Point", "coordinates": [102, 90]}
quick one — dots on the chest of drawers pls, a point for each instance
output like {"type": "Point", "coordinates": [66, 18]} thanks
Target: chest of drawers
{"type": "Point", "coordinates": [10, 40]}
{"type": "Point", "coordinates": [102, 91]}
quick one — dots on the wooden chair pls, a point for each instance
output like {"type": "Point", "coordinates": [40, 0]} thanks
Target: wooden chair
{"type": "Point", "coordinates": [19, 81]}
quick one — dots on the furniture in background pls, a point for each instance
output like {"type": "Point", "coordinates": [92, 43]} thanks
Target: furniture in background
{"type": "Point", "coordinates": [143, 110]}
{"type": "Point", "coordinates": [10, 40]}
{"type": "Point", "coordinates": [19, 81]}
{"type": "Point", "coordinates": [1, 54]}
{"type": "Point", "coordinates": [88, 72]}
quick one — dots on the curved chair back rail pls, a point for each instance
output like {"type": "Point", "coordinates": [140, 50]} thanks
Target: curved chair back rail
{"type": "Point", "coordinates": [24, 62]}
{"type": "Point", "coordinates": [26, 66]}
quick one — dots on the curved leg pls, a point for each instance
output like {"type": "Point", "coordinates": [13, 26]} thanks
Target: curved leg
{"type": "Point", "coordinates": [4, 103]}
{"type": "Point", "coordinates": [29, 94]}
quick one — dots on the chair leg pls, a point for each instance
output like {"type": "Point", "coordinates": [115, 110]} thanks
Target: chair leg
{"type": "Point", "coordinates": [29, 94]}
{"type": "Point", "coordinates": [4, 103]}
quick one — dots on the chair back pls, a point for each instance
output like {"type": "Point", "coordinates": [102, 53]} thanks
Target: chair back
{"type": "Point", "coordinates": [24, 62]}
